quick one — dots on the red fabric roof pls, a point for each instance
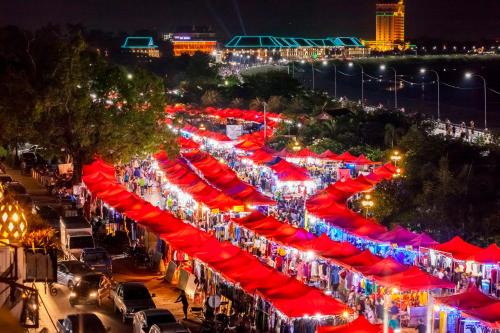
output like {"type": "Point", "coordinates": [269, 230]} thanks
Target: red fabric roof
{"type": "Point", "coordinates": [286, 171]}
{"type": "Point", "coordinates": [187, 143]}
{"type": "Point", "coordinates": [458, 248]}
{"type": "Point", "coordinates": [346, 157]}
{"type": "Point", "coordinates": [362, 160]}
{"type": "Point", "coordinates": [359, 325]}
{"type": "Point", "coordinates": [260, 157]}
{"type": "Point", "coordinates": [225, 179]}
{"type": "Point", "coordinates": [489, 255]}
{"type": "Point", "coordinates": [414, 279]}
{"type": "Point", "coordinates": [328, 155]}
{"type": "Point", "coordinates": [306, 153]}
{"type": "Point", "coordinates": [489, 314]}
{"type": "Point", "coordinates": [384, 267]}
{"type": "Point", "coordinates": [470, 299]}
{"type": "Point", "coordinates": [292, 298]}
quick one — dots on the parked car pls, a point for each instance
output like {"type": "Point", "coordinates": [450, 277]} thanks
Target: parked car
{"type": "Point", "coordinates": [69, 272]}
{"type": "Point", "coordinates": [97, 258]}
{"type": "Point", "coordinates": [81, 323]}
{"type": "Point", "coordinates": [143, 320]}
{"type": "Point", "coordinates": [48, 213]}
{"type": "Point", "coordinates": [130, 297]}
{"type": "Point", "coordinates": [169, 328]}
{"type": "Point", "coordinates": [15, 188]}
{"type": "Point", "coordinates": [5, 178]}
{"type": "Point", "coordinates": [86, 290]}
{"type": "Point", "coordinates": [19, 193]}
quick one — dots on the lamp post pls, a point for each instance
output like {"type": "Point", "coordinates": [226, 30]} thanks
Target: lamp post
{"type": "Point", "coordinates": [396, 157]}
{"type": "Point", "coordinates": [351, 64]}
{"type": "Point", "coordinates": [325, 63]}
{"type": "Point", "coordinates": [470, 76]}
{"type": "Point", "coordinates": [202, 127]}
{"type": "Point", "coordinates": [423, 71]}
{"type": "Point", "coordinates": [383, 68]}
{"type": "Point", "coordinates": [367, 203]}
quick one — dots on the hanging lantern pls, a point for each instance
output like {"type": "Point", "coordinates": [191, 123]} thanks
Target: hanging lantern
{"type": "Point", "coordinates": [13, 224]}
{"type": "Point", "coordinates": [2, 193]}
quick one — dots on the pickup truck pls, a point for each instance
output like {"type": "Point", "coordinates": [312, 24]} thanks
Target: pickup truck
{"type": "Point", "coordinates": [81, 323]}
{"type": "Point", "coordinates": [130, 297]}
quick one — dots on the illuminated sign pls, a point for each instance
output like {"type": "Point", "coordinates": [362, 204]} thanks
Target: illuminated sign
{"type": "Point", "coordinates": [182, 37]}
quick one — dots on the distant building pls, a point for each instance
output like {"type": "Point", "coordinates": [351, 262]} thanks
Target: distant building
{"type": "Point", "coordinates": [389, 26]}
{"type": "Point", "coordinates": [141, 47]}
{"type": "Point", "coordinates": [190, 40]}
{"type": "Point", "coordinates": [295, 48]}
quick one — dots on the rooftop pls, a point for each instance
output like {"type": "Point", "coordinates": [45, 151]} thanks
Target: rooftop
{"type": "Point", "coordinates": [291, 42]}
{"type": "Point", "coordinates": [139, 43]}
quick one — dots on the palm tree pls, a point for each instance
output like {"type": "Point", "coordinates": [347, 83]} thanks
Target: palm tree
{"type": "Point", "coordinates": [328, 128]}
{"type": "Point", "coordinates": [275, 103]}
{"type": "Point", "coordinates": [210, 98]}
{"type": "Point", "coordinates": [236, 102]}
{"type": "Point", "coordinates": [256, 104]}
{"type": "Point", "coordinates": [389, 135]}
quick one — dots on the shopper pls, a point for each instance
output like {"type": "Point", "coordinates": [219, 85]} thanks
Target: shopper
{"type": "Point", "coordinates": [185, 305]}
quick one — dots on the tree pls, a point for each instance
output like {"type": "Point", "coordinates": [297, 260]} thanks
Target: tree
{"type": "Point", "coordinates": [236, 103]}
{"type": "Point", "coordinates": [256, 104]}
{"type": "Point", "coordinates": [85, 106]}
{"type": "Point", "coordinates": [211, 98]}
{"type": "Point", "coordinates": [275, 103]}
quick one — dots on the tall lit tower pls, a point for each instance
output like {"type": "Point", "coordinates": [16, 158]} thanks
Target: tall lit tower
{"type": "Point", "coordinates": [390, 25]}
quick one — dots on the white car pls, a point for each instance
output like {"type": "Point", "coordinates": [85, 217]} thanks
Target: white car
{"type": "Point", "coordinates": [169, 328]}
{"type": "Point", "coordinates": [143, 320]}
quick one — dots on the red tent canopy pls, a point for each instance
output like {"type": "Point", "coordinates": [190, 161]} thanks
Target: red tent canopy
{"type": "Point", "coordinates": [306, 153]}
{"type": "Point", "coordinates": [187, 143]}
{"type": "Point", "coordinates": [489, 314]}
{"type": "Point", "coordinates": [359, 325]}
{"type": "Point", "coordinates": [398, 235]}
{"type": "Point", "coordinates": [346, 157]}
{"type": "Point", "coordinates": [260, 157]}
{"type": "Point", "coordinates": [458, 248]}
{"type": "Point", "coordinates": [362, 160]}
{"type": "Point", "coordinates": [489, 255]}
{"type": "Point", "coordinates": [286, 294]}
{"type": "Point", "coordinates": [365, 258]}
{"type": "Point", "coordinates": [328, 155]}
{"type": "Point", "coordinates": [384, 267]}
{"type": "Point", "coordinates": [413, 279]}
{"type": "Point", "coordinates": [470, 299]}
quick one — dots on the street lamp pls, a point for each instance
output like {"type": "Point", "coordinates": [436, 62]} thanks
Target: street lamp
{"type": "Point", "coordinates": [351, 64]}
{"type": "Point", "coordinates": [423, 71]}
{"type": "Point", "coordinates": [383, 68]}
{"type": "Point", "coordinates": [367, 203]}
{"type": "Point", "coordinates": [130, 76]}
{"type": "Point", "coordinates": [325, 63]}
{"type": "Point", "coordinates": [396, 157]}
{"type": "Point", "coordinates": [202, 127]}
{"type": "Point", "coordinates": [469, 76]}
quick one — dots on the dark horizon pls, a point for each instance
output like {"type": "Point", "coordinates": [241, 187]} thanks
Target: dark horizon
{"type": "Point", "coordinates": [447, 20]}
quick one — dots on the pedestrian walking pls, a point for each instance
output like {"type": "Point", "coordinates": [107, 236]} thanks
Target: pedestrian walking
{"type": "Point", "coordinates": [185, 305]}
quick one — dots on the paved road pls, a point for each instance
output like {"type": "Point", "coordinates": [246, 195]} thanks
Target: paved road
{"type": "Point", "coordinates": [57, 307]}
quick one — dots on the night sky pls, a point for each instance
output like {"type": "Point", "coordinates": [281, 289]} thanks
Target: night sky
{"type": "Point", "coordinates": [442, 19]}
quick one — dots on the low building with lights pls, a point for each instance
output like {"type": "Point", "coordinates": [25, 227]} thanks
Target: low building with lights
{"type": "Point", "coordinates": [295, 48]}
{"type": "Point", "coordinates": [141, 47]}
{"type": "Point", "coordinates": [191, 40]}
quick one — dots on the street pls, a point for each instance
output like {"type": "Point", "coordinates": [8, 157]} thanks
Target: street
{"type": "Point", "coordinates": [52, 308]}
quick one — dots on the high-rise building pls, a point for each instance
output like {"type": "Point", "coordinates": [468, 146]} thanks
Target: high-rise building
{"type": "Point", "coordinates": [389, 26]}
